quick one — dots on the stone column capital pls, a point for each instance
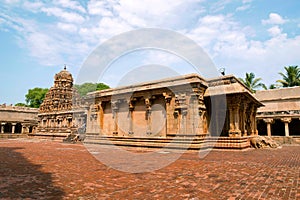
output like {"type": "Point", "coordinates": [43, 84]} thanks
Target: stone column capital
{"type": "Point", "coordinates": [286, 119]}
{"type": "Point", "coordinates": [269, 120]}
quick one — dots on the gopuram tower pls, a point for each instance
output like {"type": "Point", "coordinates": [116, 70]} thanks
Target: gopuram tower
{"type": "Point", "coordinates": [60, 113]}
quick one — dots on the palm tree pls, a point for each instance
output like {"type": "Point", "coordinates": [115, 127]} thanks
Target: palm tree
{"type": "Point", "coordinates": [291, 77]}
{"type": "Point", "coordinates": [253, 83]}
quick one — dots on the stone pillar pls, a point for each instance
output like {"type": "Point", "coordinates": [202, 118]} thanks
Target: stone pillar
{"type": "Point", "coordinates": [148, 115]}
{"type": "Point", "coordinates": [243, 118]}
{"type": "Point", "coordinates": [2, 127]}
{"type": "Point", "coordinates": [269, 121]}
{"type": "Point", "coordinates": [236, 120]}
{"type": "Point", "coordinates": [255, 131]}
{"type": "Point", "coordinates": [231, 120]}
{"type": "Point", "coordinates": [115, 108]}
{"type": "Point", "coordinates": [183, 121]}
{"type": "Point", "coordinates": [169, 114]}
{"type": "Point", "coordinates": [130, 108]}
{"type": "Point", "coordinates": [13, 127]}
{"type": "Point", "coordinates": [286, 122]}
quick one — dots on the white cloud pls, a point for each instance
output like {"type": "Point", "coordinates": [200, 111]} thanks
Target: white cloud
{"type": "Point", "coordinates": [11, 1]}
{"type": "Point", "coordinates": [74, 5]}
{"type": "Point", "coordinates": [33, 6]}
{"type": "Point", "coordinates": [101, 8]}
{"type": "Point", "coordinates": [243, 7]}
{"type": "Point", "coordinates": [67, 27]}
{"type": "Point", "coordinates": [67, 16]}
{"type": "Point", "coordinates": [274, 31]}
{"type": "Point", "coordinates": [76, 29]}
{"type": "Point", "coordinates": [274, 18]}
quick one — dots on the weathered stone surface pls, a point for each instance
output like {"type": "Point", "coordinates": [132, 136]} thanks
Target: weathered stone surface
{"type": "Point", "coordinates": [260, 142]}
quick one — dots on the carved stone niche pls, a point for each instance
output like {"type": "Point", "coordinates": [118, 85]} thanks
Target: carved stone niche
{"type": "Point", "coordinates": [180, 102]}
{"type": "Point", "coordinates": [167, 96]}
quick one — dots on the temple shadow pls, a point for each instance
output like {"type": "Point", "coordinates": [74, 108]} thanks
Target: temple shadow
{"type": "Point", "coordinates": [21, 179]}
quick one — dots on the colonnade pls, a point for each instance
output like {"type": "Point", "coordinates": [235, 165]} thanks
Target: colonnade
{"type": "Point", "coordinates": [285, 120]}
{"type": "Point", "coordinates": [16, 127]}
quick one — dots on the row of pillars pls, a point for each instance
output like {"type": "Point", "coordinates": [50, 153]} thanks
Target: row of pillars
{"type": "Point", "coordinates": [25, 129]}
{"type": "Point", "coordinates": [286, 122]}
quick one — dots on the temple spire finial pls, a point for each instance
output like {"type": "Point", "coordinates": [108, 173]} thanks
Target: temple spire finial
{"type": "Point", "coordinates": [65, 67]}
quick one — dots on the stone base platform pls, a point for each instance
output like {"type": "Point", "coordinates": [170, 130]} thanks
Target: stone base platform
{"type": "Point", "coordinates": [51, 136]}
{"type": "Point", "coordinates": [12, 135]}
{"type": "Point", "coordinates": [180, 143]}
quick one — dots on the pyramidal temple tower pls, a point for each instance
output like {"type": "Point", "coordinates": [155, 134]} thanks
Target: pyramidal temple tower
{"type": "Point", "coordinates": [60, 112]}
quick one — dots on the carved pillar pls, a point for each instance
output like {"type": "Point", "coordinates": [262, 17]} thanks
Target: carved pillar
{"type": "Point", "coordinates": [148, 115]}
{"type": "Point", "coordinates": [115, 108]}
{"type": "Point", "coordinates": [235, 117]}
{"type": "Point", "coordinates": [88, 120]}
{"type": "Point", "coordinates": [269, 121]}
{"type": "Point", "coordinates": [13, 127]}
{"type": "Point", "coordinates": [243, 118]}
{"type": "Point", "coordinates": [169, 113]}
{"type": "Point", "coordinates": [183, 121]}
{"type": "Point", "coordinates": [2, 127]}
{"type": "Point", "coordinates": [131, 108]}
{"type": "Point", "coordinates": [181, 112]}
{"type": "Point", "coordinates": [101, 116]}
{"type": "Point", "coordinates": [249, 120]}
{"type": "Point", "coordinates": [255, 131]}
{"type": "Point", "coordinates": [286, 122]}
{"type": "Point", "coordinates": [231, 120]}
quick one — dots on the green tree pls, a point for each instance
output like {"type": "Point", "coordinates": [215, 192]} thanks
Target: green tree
{"type": "Point", "coordinates": [34, 98]}
{"type": "Point", "coordinates": [85, 88]}
{"type": "Point", "coordinates": [253, 83]}
{"type": "Point", "coordinates": [274, 86]}
{"type": "Point", "coordinates": [291, 77]}
{"type": "Point", "coordinates": [21, 104]}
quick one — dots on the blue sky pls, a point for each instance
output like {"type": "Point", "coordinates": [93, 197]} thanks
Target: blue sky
{"type": "Point", "coordinates": [38, 38]}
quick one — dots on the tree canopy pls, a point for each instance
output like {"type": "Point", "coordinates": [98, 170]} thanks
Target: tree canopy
{"type": "Point", "coordinates": [253, 83]}
{"type": "Point", "coordinates": [85, 88]}
{"type": "Point", "coordinates": [21, 104]}
{"type": "Point", "coordinates": [34, 98]}
{"type": "Point", "coordinates": [291, 77]}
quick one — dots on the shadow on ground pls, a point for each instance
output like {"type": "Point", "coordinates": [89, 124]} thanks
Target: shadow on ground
{"type": "Point", "coordinates": [21, 179]}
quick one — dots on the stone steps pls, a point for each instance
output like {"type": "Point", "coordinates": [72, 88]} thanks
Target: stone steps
{"type": "Point", "coordinates": [190, 143]}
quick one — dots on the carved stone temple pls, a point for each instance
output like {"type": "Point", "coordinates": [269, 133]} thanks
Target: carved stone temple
{"type": "Point", "coordinates": [61, 112]}
{"type": "Point", "coordinates": [186, 106]}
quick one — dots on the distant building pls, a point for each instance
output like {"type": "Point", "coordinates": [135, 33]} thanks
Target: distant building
{"type": "Point", "coordinates": [281, 114]}
{"type": "Point", "coordinates": [17, 119]}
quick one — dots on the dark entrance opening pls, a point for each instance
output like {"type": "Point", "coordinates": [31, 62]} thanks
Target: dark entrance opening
{"type": "Point", "coordinates": [278, 128]}
{"type": "Point", "coordinates": [262, 127]}
{"type": "Point", "coordinates": [294, 127]}
{"type": "Point", "coordinates": [7, 128]}
{"type": "Point", "coordinates": [18, 128]}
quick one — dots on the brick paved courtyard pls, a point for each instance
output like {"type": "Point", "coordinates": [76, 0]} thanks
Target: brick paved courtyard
{"type": "Point", "coordinates": [53, 170]}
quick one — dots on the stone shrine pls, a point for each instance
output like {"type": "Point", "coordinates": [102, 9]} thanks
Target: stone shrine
{"type": "Point", "coordinates": [60, 113]}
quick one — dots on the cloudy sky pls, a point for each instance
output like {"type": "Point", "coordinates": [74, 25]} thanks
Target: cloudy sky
{"type": "Point", "coordinates": [38, 37]}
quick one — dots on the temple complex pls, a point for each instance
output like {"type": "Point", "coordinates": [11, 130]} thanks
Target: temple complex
{"type": "Point", "coordinates": [17, 119]}
{"type": "Point", "coordinates": [190, 110]}
{"type": "Point", "coordinates": [61, 112]}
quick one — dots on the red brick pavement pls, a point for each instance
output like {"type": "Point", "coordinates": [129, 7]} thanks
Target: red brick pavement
{"type": "Point", "coordinates": [36, 169]}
